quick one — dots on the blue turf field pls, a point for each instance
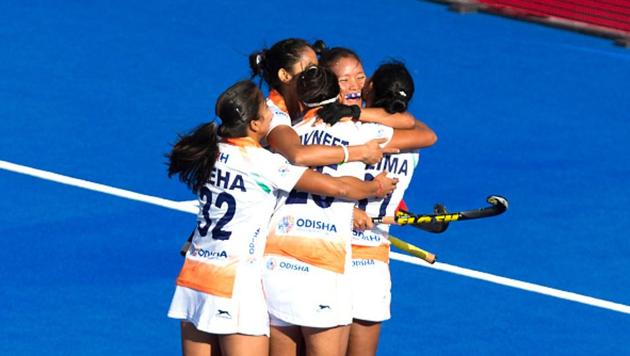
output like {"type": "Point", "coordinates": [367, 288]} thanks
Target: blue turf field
{"type": "Point", "coordinates": [97, 90]}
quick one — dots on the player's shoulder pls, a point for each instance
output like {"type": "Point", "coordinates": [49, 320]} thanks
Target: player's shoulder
{"type": "Point", "coordinates": [275, 109]}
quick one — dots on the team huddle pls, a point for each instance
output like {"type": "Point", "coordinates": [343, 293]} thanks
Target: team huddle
{"type": "Point", "coordinates": [285, 259]}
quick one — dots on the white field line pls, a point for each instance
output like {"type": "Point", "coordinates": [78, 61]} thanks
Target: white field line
{"type": "Point", "coordinates": [191, 207]}
{"type": "Point", "coordinates": [514, 283]}
{"type": "Point", "coordinates": [184, 206]}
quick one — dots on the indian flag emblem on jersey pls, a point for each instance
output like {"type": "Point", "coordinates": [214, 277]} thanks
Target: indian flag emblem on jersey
{"type": "Point", "coordinates": [285, 224]}
{"type": "Point", "coordinates": [258, 179]}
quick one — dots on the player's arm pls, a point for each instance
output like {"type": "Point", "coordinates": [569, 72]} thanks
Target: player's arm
{"type": "Point", "coordinates": [284, 140]}
{"type": "Point", "coordinates": [402, 120]}
{"type": "Point", "coordinates": [346, 187]}
{"type": "Point", "coordinates": [420, 136]}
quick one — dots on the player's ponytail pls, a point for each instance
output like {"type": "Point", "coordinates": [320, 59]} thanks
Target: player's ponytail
{"type": "Point", "coordinates": [284, 54]}
{"type": "Point", "coordinates": [392, 87]}
{"type": "Point", "coordinates": [394, 102]}
{"type": "Point", "coordinates": [257, 63]}
{"type": "Point", "coordinates": [193, 157]}
{"type": "Point", "coordinates": [319, 47]}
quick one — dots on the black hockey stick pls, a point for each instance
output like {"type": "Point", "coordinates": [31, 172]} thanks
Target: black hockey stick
{"type": "Point", "coordinates": [498, 205]}
{"type": "Point", "coordinates": [186, 245]}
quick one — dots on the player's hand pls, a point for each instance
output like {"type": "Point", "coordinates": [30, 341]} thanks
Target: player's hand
{"type": "Point", "coordinates": [361, 221]}
{"type": "Point", "coordinates": [373, 152]}
{"type": "Point", "coordinates": [386, 185]}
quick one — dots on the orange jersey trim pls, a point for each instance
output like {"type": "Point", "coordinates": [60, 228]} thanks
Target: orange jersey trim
{"type": "Point", "coordinates": [325, 254]}
{"type": "Point", "coordinates": [310, 114]}
{"type": "Point", "coordinates": [307, 117]}
{"type": "Point", "coordinates": [208, 278]}
{"type": "Point", "coordinates": [379, 253]}
{"type": "Point", "coordinates": [278, 100]}
{"type": "Point", "coordinates": [242, 142]}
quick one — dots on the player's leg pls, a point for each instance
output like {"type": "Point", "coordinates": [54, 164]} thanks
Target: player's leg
{"type": "Point", "coordinates": [363, 338]}
{"type": "Point", "coordinates": [286, 341]}
{"type": "Point", "coordinates": [198, 343]}
{"type": "Point", "coordinates": [325, 341]}
{"type": "Point", "coordinates": [345, 339]}
{"type": "Point", "coordinates": [244, 345]}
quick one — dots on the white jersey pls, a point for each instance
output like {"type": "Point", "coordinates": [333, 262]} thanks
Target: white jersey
{"type": "Point", "coordinates": [401, 166]}
{"type": "Point", "coordinates": [370, 277]}
{"type": "Point", "coordinates": [221, 276]}
{"type": "Point", "coordinates": [277, 106]}
{"type": "Point", "coordinates": [308, 249]}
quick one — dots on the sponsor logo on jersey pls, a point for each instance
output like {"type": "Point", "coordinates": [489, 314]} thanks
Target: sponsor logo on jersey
{"type": "Point", "coordinates": [211, 255]}
{"type": "Point", "coordinates": [309, 224]}
{"type": "Point", "coordinates": [271, 264]}
{"type": "Point", "coordinates": [289, 223]}
{"type": "Point", "coordinates": [293, 266]}
{"type": "Point", "coordinates": [365, 236]}
{"type": "Point", "coordinates": [362, 263]}
{"type": "Point", "coordinates": [285, 224]}
{"type": "Point", "coordinates": [252, 242]}
{"type": "Point", "coordinates": [278, 112]}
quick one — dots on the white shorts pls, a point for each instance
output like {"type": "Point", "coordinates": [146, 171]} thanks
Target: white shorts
{"type": "Point", "coordinates": [273, 321]}
{"type": "Point", "coordinates": [301, 294]}
{"type": "Point", "coordinates": [371, 290]}
{"type": "Point", "coordinates": [244, 313]}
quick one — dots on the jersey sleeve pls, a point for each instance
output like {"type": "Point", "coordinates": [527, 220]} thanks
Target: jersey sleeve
{"type": "Point", "coordinates": [281, 174]}
{"type": "Point", "coordinates": [370, 131]}
{"type": "Point", "coordinates": [278, 118]}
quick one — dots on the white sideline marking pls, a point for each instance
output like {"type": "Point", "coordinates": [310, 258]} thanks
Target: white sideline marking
{"type": "Point", "coordinates": [191, 207]}
{"type": "Point", "coordinates": [184, 206]}
{"type": "Point", "coordinates": [193, 203]}
{"type": "Point", "coordinates": [514, 283]}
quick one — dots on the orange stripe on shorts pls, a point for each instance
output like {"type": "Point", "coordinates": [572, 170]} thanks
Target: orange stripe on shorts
{"type": "Point", "coordinates": [326, 254]}
{"type": "Point", "coordinates": [208, 278]}
{"type": "Point", "coordinates": [379, 253]}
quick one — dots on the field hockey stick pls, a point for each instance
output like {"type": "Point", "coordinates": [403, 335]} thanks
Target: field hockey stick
{"type": "Point", "coordinates": [498, 205]}
{"type": "Point", "coordinates": [186, 245]}
{"type": "Point", "coordinates": [412, 249]}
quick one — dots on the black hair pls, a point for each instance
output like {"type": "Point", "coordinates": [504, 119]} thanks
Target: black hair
{"type": "Point", "coordinates": [392, 86]}
{"type": "Point", "coordinates": [317, 84]}
{"type": "Point", "coordinates": [194, 155]}
{"type": "Point", "coordinates": [284, 54]}
{"type": "Point", "coordinates": [329, 56]}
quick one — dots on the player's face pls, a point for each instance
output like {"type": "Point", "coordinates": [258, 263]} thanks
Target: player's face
{"type": "Point", "coordinates": [264, 118]}
{"type": "Point", "coordinates": [351, 77]}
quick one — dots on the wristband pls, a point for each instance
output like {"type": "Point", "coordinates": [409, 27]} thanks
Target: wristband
{"type": "Point", "coordinates": [346, 155]}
